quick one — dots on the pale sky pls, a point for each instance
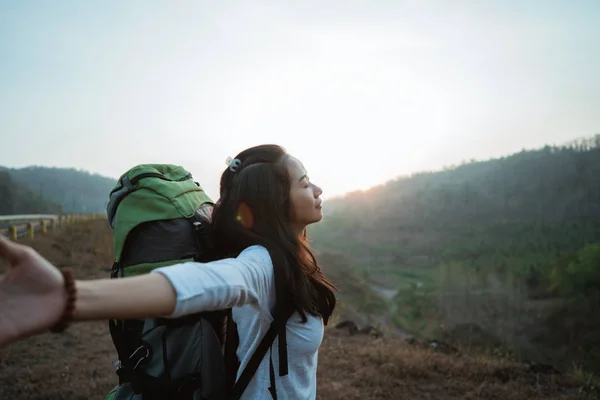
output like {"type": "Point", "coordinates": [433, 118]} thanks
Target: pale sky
{"type": "Point", "coordinates": [360, 91]}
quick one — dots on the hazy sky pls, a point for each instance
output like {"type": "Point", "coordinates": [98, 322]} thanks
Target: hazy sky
{"type": "Point", "coordinates": [360, 91]}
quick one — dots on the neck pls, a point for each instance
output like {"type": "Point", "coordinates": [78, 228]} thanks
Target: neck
{"type": "Point", "coordinates": [300, 230]}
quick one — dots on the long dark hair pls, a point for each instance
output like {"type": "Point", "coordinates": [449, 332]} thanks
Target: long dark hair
{"type": "Point", "coordinates": [262, 182]}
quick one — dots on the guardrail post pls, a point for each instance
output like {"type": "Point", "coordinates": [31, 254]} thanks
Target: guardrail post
{"type": "Point", "coordinates": [41, 223]}
{"type": "Point", "coordinates": [12, 233]}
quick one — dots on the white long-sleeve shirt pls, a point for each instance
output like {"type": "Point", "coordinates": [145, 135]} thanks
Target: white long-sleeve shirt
{"type": "Point", "coordinates": [246, 283]}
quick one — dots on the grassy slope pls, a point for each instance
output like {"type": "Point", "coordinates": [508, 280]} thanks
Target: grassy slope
{"type": "Point", "coordinates": [78, 364]}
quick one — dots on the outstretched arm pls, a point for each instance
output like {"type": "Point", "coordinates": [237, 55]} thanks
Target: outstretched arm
{"type": "Point", "coordinates": [33, 297]}
{"type": "Point", "coordinates": [136, 297]}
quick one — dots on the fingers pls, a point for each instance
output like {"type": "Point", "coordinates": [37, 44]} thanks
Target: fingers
{"type": "Point", "coordinates": [10, 251]}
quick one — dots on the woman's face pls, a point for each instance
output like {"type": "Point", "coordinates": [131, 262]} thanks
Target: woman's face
{"type": "Point", "coordinates": [304, 196]}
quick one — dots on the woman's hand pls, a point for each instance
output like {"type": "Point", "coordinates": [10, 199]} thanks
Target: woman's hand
{"type": "Point", "coordinates": [32, 294]}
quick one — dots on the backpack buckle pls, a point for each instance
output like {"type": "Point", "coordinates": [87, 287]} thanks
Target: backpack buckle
{"type": "Point", "coordinates": [114, 270]}
{"type": "Point", "coordinates": [198, 227]}
{"type": "Point", "coordinates": [202, 240]}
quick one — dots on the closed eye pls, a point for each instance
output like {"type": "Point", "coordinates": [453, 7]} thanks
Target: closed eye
{"type": "Point", "coordinates": [305, 180]}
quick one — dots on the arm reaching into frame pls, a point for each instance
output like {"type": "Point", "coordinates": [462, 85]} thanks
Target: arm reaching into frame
{"type": "Point", "coordinates": [33, 296]}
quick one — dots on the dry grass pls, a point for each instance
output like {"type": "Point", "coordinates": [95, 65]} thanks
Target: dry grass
{"type": "Point", "coordinates": [78, 364]}
{"type": "Point", "coordinates": [360, 367]}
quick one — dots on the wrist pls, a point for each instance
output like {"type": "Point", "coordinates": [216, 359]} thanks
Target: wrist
{"type": "Point", "coordinates": [70, 292]}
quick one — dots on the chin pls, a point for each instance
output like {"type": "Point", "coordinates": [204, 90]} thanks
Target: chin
{"type": "Point", "coordinates": [318, 217]}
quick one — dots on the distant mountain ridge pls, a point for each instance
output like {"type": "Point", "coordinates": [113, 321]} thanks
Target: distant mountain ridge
{"type": "Point", "coordinates": [79, 192]}
{"type": "Point", "coordinates": [550, 196]}
{"type": "Point", "coordinates": [17, 199]}
{"type": "Point", "coordinates": [550, 186]}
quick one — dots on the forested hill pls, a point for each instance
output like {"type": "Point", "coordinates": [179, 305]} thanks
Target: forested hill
{"type": "Point", "coordinates": [16, 199]}
{"type": "Point", "coordinates": [520, 211]}
{"type": "Point", "coordinates": [77, 191]}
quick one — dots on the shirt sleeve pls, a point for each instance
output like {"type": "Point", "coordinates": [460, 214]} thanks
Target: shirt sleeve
{"type": "Point", "coordinates": [230, 282]}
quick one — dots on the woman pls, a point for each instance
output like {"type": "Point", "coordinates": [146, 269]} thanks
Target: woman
{"type": "Point", "coordinates": [266, 202]}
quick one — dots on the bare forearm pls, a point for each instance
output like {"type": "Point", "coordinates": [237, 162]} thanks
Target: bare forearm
{"type": "Point", "coordinates": [137, 297]}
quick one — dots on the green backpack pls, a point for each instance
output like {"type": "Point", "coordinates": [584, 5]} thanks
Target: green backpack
{"type": "Point", "coordinates": [160, 216]}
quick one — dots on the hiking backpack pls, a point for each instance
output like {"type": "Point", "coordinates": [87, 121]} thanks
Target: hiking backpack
{"type": "Point", "coordinates": [160, 216]}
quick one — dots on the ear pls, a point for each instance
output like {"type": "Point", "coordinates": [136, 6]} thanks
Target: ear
{"type": "Point", "coordinates": [245, 216]}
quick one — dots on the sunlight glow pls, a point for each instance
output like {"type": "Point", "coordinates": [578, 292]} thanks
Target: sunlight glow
{"type": "Point", "coordinates": [361, 94]}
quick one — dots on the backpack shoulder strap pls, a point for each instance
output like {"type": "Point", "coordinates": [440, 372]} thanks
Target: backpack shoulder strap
{"type": "Point", "coordinates": [277, 326]}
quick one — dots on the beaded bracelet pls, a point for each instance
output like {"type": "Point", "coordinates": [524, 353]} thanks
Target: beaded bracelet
{"type": "Point", "coordinates": [67, 315]}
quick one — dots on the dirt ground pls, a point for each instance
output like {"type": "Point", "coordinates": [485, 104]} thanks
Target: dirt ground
{"type": "Point", "coordinates": [78, 364]}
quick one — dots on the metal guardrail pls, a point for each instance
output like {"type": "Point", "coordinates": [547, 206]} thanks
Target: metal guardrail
{"type": "Point", "coordinates": [18, 217]}
{"type": "Point", "coordinates": [19, 226]}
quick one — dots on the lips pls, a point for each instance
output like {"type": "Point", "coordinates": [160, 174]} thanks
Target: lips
{"type": "Point", "coordinates": [319, 203]}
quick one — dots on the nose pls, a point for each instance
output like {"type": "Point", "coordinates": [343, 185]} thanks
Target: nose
{"type": "Point", "coordinates": [317, 191]}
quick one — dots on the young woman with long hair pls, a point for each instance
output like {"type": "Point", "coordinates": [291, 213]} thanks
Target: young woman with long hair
{"type": "Point", "coordinates": [265, 267]}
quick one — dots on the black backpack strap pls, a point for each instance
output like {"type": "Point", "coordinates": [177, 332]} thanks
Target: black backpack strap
{"type": "Point", "coordinates": [283, 357]}
{"type": "Point", "coordinates": [273, 387]}
{"type": "Point", "coordinates": [278, 326]}
{"type": "Point", "coordinates": [122, 332]}
{"type": "Point", "coordinates": [232, 341]}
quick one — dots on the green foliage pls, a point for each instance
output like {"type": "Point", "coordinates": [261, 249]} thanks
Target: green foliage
{"type": "Point", "coordinates": [413, 307]}
{"type": "Point", "coordinates": [579, 278]}
{"type": "Point", "coordinates": [590, 381]}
